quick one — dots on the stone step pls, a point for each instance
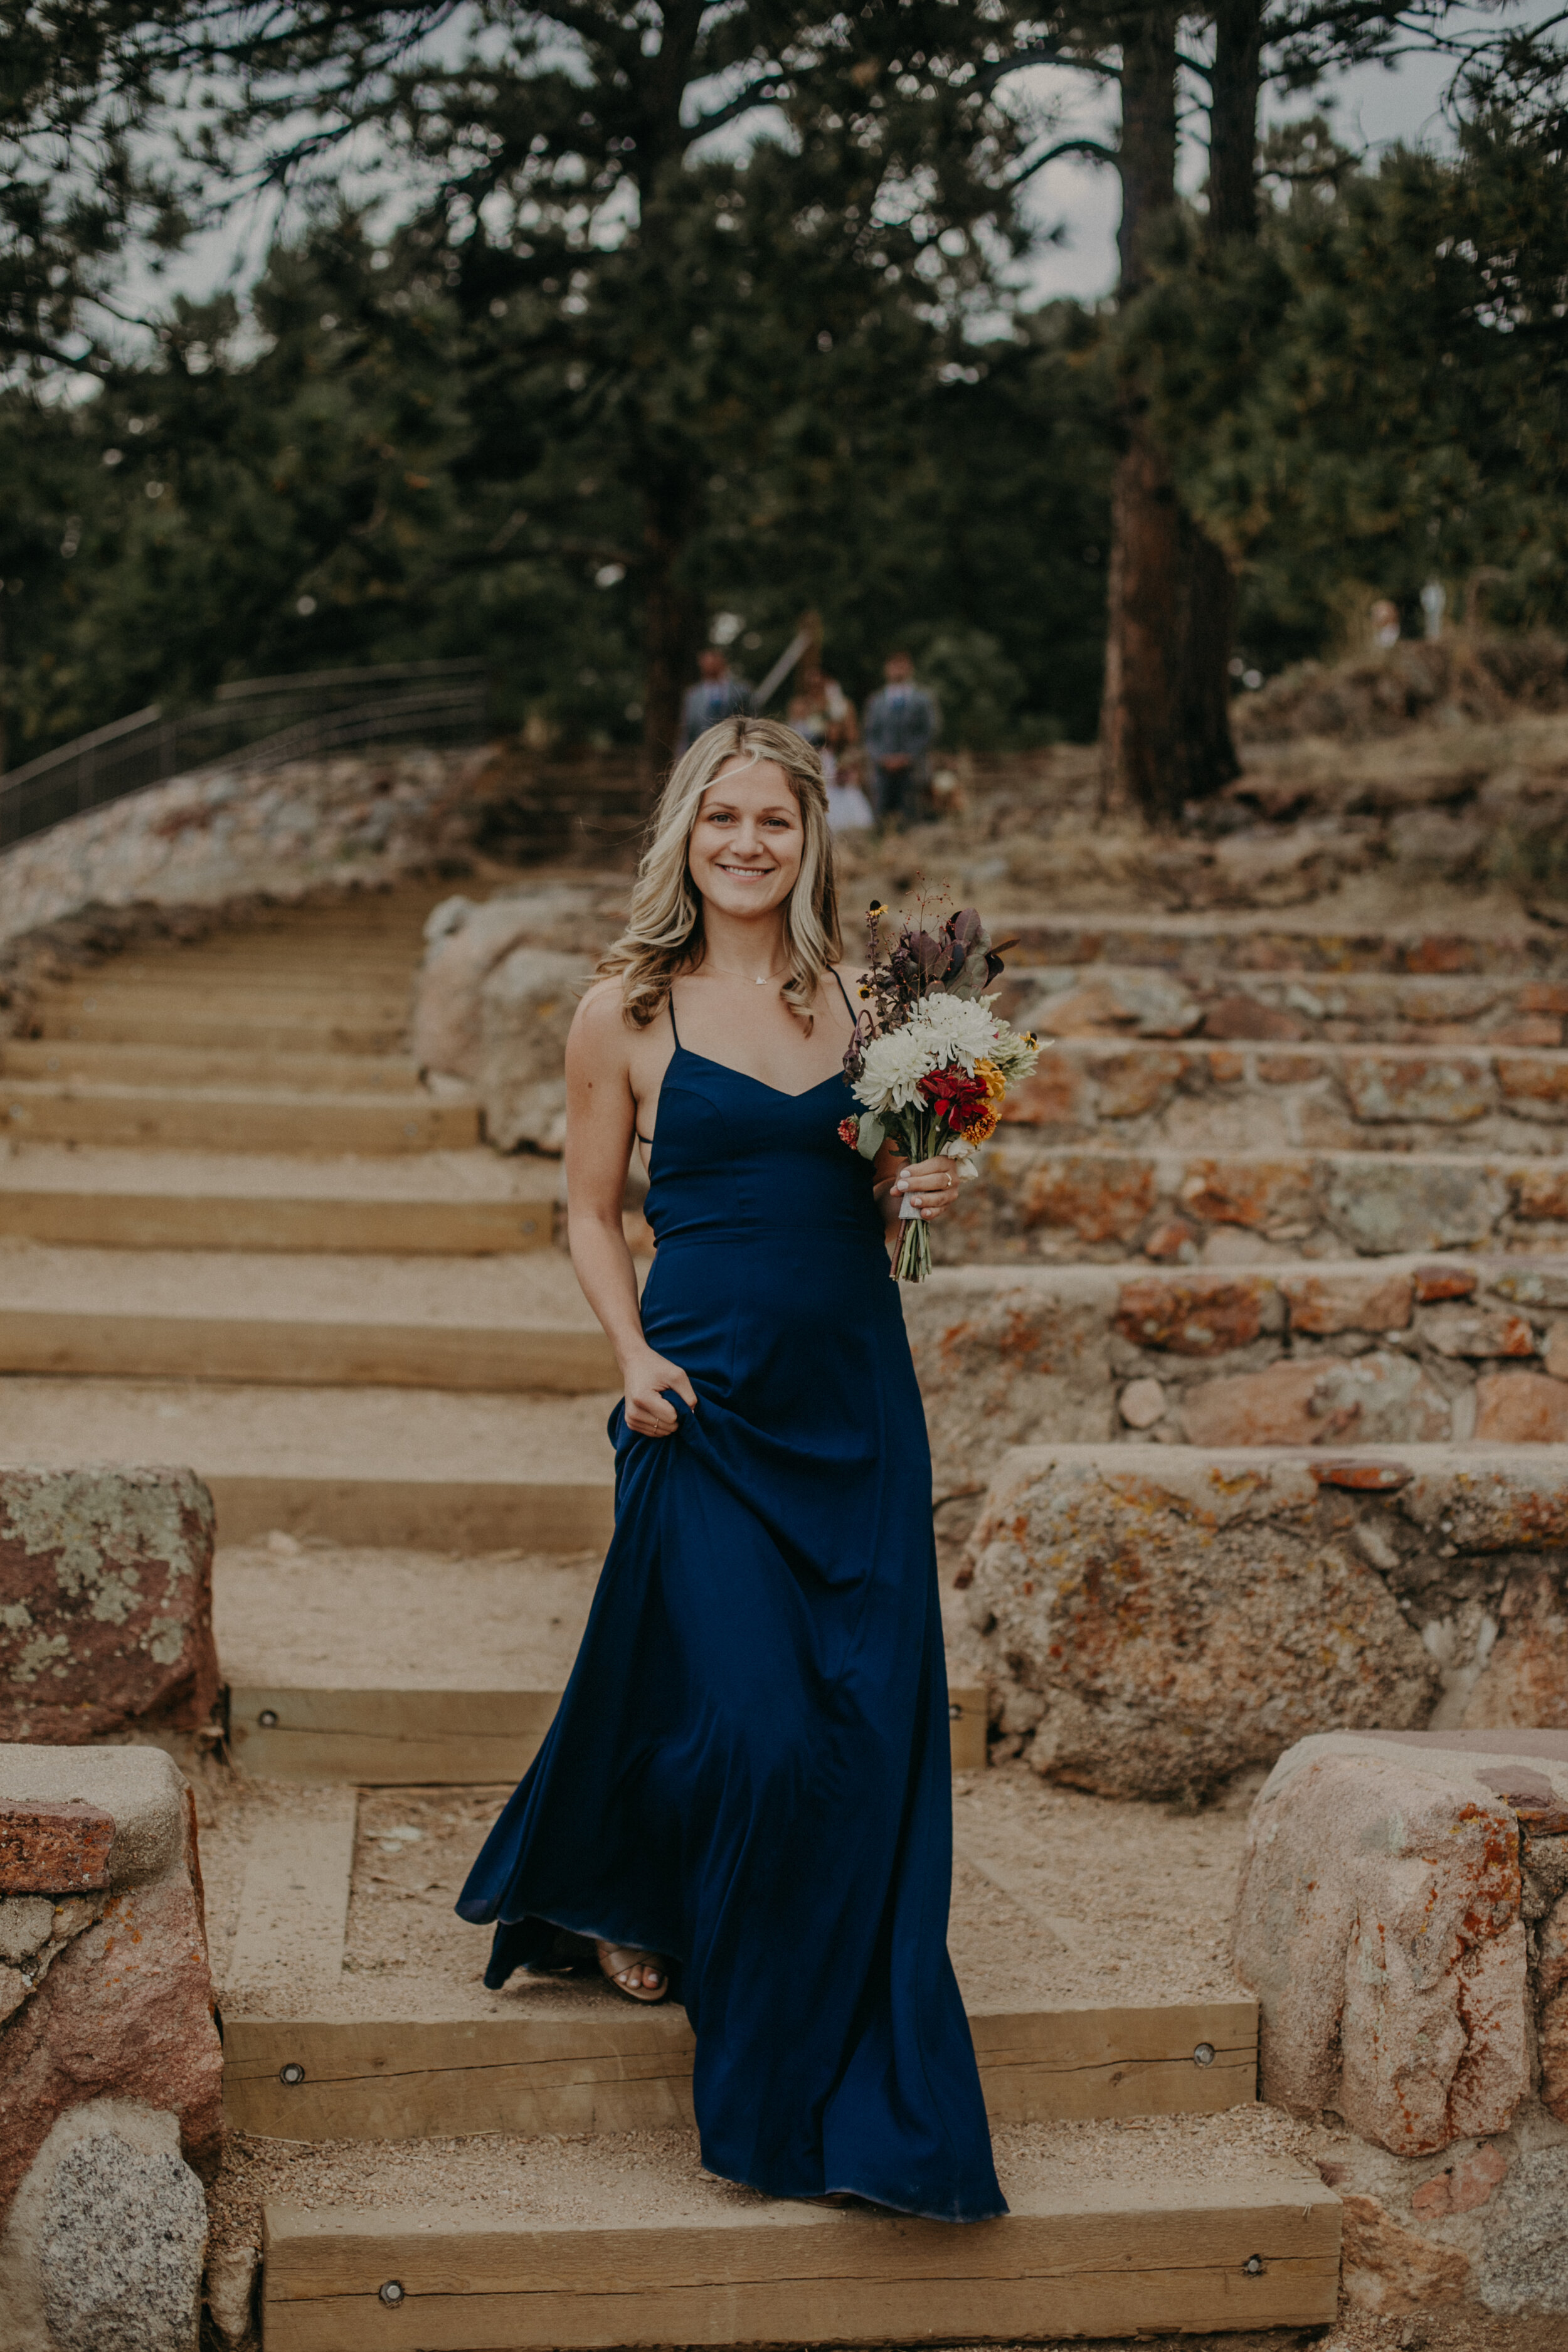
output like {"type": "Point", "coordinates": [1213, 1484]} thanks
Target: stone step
{"type": "Point", "coordinates": [185, 1066]}
{"type": "Point", "coordinates": [1323, 1354]}
{"type": "Point", "coordinates": [302, 1320]}
{"type": "Point", "coordinates": [383, 1466]}
{"type": "Point", "coordinates": [1287, 1007]}
{"type": "Point", "coordinates": [316, 1026]}
{"type": "Point", "coordinates": [1181, 2245]}
{"type": "Point", "coordinates": [232, 1119]}
{"type": "Point", "coordinates": [446, 1203]}
{"type": "Point", "coordinates": [1153, 1623]}
{"type": "Point", "coordinates": [1202, 945]}
{"type": "Point", "coordinates": [1053, 1205]}
{"type": "Point", "coordinates": [1263, 1098]}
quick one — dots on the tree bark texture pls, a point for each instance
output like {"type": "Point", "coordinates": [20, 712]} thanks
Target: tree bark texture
{"type": "Point", "coordinates": [1165, 733]}
{"type": "Point", "coordinates": [673, 630]}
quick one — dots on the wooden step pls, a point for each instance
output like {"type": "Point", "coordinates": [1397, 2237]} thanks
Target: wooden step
{"type": "Point", "coordinates": [415, 2078]}
{"type": "Point", "coordinates": [403, 1738]}
{"type": "Point", "coordinates": [306, 1320]}
{"type": "Point", "coordinates": [251, 1028]}
{"type": "Point", "coordinates": [63, 1059]}
{"type": "Point", "coordinates": [383, 1466]}
{"type": "Point", "coordinates": [113, 986]}
{"type": "Point", "coordinates": [1189, 2250]}
{"type": "Point", "coordinates": [327, 1352]}
{"type": "Point", "coordinates": [460, 1203]}
{"type": "Point", "coordinates": [233, 1119]}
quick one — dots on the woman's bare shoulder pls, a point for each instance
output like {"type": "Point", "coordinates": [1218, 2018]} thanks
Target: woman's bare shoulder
{"type": "Point", "coordinates": [600, 1024]}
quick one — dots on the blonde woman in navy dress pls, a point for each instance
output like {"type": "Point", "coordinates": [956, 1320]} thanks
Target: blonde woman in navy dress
{"type": "Point", "coordinates": [745, 1798]}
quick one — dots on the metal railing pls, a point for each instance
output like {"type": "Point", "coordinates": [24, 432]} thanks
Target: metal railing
{"type": "Point", "coordinates": [257, 723]}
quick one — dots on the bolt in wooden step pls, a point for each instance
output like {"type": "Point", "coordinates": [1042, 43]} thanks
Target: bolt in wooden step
{"type": "Point", "coordinates": [235, 1119]}
{"type": "Point", "coordinates": [410, 2078]}
{"type": "Point", "coordinates": [61, 1059]}
{"type": "Point", "coordinates": [1100, 2258]}
{"type": "Point", "coordinates": [403, 1738]}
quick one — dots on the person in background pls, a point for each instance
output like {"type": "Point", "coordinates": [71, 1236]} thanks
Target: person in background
{"type": "Point", "coordinates": [717, 694]}
{"type": "Point", "coordinates": [901, 723]}
{"type": "Point", "coordinates": [1383, 620]}
{"type": "Point", "coordinates": [821, 711]}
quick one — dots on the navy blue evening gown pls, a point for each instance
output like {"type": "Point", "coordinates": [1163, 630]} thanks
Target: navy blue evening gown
{"type": "Point", "coordinates": [749, 1771]}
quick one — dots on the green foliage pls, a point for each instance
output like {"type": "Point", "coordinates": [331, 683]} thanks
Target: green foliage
{"type": "Point", "coordinates": [1377, 393]}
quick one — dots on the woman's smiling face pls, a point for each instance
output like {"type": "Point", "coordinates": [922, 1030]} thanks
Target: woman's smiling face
{"type": "Point", "coordinates": [748, 841]}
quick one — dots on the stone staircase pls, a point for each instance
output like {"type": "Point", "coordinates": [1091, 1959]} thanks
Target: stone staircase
{"type": "Point", "coordinates": [233, 1219]}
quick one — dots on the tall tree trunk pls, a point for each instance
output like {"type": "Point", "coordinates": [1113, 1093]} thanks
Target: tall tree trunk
{"type": "Point", "coordinates": [672, 622]}
{"type": "Point", "coordinates": [1141, 712]}
{"type": "Point", "coordinates": [1165, 719]}
{"type": "Point", "coordinates": [1210, 597]}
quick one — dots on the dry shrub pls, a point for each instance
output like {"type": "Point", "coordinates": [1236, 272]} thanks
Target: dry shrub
{"type": "Point", "coordinates": [1461, 677]}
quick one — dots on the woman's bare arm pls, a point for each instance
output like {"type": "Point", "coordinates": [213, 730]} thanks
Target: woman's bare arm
{"type": "Point", "coordinates": [601, 1117]}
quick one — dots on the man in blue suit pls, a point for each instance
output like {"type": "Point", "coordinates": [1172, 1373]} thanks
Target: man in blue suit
{"type": "Point", "coordinates": [715, 696]}
{"type": "Point", "coordinates": [901, 724]}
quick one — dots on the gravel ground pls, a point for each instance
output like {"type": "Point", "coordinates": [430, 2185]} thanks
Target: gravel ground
{"type": "Point", "coordinates": [657, 2177]}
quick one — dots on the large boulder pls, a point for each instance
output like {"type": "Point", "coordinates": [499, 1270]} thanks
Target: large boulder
{"type": "Point", "coordinates": [1380, 1921]}
{"type": "Point", "coordinates": [466, 939]}
{"type": "Point", "coordinates": [1153, 1619]}
{"type": "Point", "coordinates": [110, 2066]}
{"type": "Point", "coordinates": [105, 1603]}
{"type": "Point", "coordinates": [526, 1008]}
{"type": "Point", "coordinates": [1167, 1617]}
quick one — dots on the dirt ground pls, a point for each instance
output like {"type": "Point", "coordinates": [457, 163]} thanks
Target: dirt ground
{"type": "Point", "coordinates": [1057, 1898]}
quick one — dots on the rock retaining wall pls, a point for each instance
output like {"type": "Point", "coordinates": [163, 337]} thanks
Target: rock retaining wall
{"type": "Point", "coordinates": [1340, 1008]}
{"type": "Point", "coordinates": [1403, 1917]}
{"type": "Point", "coordinates": [1152, 1623]}
{"type": "Point", "coordinates": [1050, 1206]}
{"type": "Point", "coordinates": [111, 2066]}
{"type": "Point", "coordinates": [1409, 1350]}
{"type": "Point", "coordinates": [1249, 1098]}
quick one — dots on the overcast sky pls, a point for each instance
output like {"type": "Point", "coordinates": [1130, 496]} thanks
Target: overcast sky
{"type": "Point", "coordinates": [1371, 108]}
{"type": "Point", "coordinates": [1072, 203]}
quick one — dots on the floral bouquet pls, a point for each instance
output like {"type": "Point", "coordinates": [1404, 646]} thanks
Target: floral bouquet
{"type": "Point", "coordinates": [930, 1062]}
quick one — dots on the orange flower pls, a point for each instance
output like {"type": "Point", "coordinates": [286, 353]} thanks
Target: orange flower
{"type": "Point", "coordinates": [985, 1126]}
{"type": "Point", "coordinates": [991, 1077]}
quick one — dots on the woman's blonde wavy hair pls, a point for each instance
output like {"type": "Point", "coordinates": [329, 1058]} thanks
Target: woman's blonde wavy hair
{"type": "Point", "coordinates": [664, 933]}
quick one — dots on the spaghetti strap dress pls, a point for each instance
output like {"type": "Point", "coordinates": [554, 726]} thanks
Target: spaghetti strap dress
{"type": "Point", "coordinates": [749, 1771]}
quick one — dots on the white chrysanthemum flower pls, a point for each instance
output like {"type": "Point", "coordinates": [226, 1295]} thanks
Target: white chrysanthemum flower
{"type": "Point", "coordinates": [963, 1028]}
{"type": "Point", "coordinates": [892, 1067]}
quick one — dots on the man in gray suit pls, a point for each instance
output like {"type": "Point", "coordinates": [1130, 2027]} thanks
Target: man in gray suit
{"type": "Point", "coordinates": [715, 696]}
{"type": "Point", "coordinates": [901, 724]}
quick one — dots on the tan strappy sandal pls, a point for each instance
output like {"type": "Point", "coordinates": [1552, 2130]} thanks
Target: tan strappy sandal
{"type": "Point", "coordinates": [618, 1964]}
